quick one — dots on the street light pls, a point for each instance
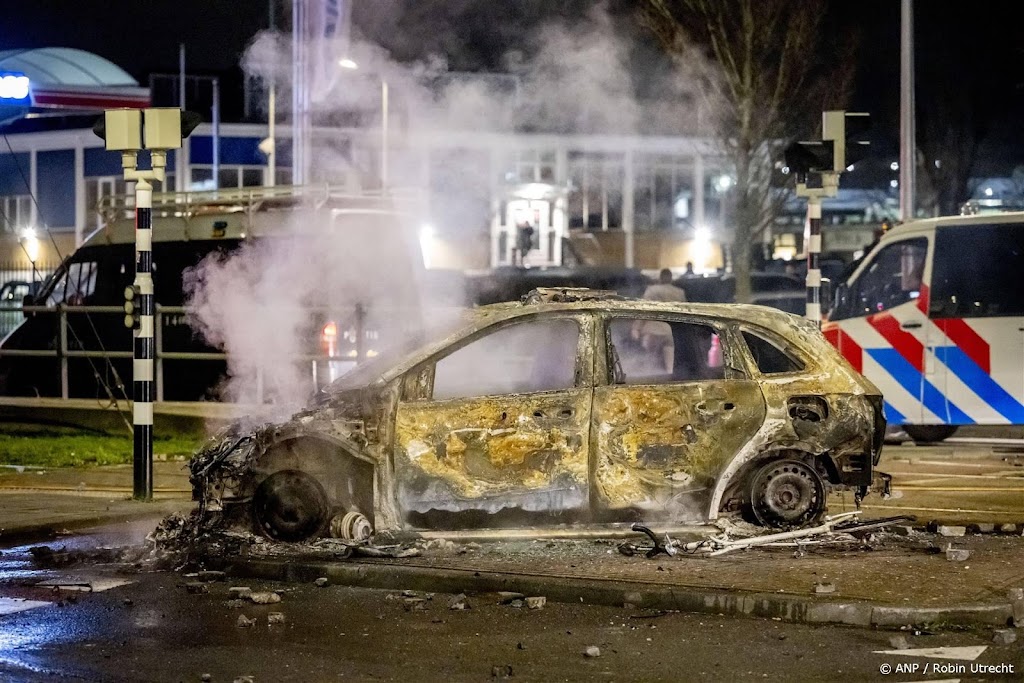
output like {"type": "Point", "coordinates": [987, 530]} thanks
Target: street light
{"type": "Point", "coordinates": [31, 245]}
{"type": "Point", "coordinates": [129, 131]}
{"type": "Point", "coordinates": [347, 63]}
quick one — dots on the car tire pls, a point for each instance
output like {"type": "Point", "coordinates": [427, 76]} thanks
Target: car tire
{"type": "Point", "coordinates": [929, 433]}
{"type": "Point", "coordinates": [786, 493]}
{"type": "Point", "coordinates": [290, 506]}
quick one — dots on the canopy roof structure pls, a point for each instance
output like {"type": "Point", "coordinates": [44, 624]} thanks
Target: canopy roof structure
{"type": "Point", "coordinates": [68, 78]}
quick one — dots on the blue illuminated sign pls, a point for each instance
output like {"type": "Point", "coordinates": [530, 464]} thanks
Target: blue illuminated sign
{"type": "Point", "coordinates": [14, 90]}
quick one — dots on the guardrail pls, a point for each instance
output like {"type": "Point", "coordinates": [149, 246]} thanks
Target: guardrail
{"type": "Point", "coordinates": [64, 352]}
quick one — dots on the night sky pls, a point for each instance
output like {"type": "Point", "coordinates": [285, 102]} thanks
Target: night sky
{"type": "Point", "coordinates": [970, 49]}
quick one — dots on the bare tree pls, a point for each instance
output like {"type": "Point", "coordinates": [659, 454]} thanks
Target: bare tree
{"type": "Point", "coordinates": [768, 71]}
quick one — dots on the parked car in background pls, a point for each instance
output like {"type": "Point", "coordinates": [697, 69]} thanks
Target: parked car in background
{"type": "Point", "coordinates": [12, 296]}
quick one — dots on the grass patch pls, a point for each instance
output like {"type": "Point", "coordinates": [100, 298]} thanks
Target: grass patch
{"type": "Point", "coordinates": [56, 446]}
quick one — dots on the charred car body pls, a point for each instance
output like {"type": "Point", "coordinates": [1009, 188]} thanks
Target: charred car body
{"type": "Point", "coordinates": [569, 407]}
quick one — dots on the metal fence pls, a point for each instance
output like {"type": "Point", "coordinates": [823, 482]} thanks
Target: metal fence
{"type": "Point", "coordinates": [11, 295]}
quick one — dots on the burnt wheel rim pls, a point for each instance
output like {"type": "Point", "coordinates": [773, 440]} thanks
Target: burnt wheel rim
{"type": "Point", "coordinates": [290, 506]}
{"type": "Point", "coordinates": [787, 493]}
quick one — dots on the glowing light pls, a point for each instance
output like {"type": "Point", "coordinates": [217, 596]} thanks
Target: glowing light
{"type": "Point", "coordinates": [894, 166]}
{"type": "Point", "coordinates": [13, 87]}
{"type": "Point", "coordinates": [894, 183]}
{"type": "Point", "coordinates": [988, 191]}
{"type": "Point", "coordinates": [31, 244]}
{"type": "Point", "coordinates": [723, 183]}
{"type": "Point", "coordinates": [426, 242]}
{"type": "Point", "coordinates": [850, 167]}
{"type": "Point", "coordinates": [330, 330]}
{"type": "Point", "coordinates": [701, 247]}
{"type": "Point", "coordinates": [347, 64]}
{"type": "Point", "coordinates": [371, 354]}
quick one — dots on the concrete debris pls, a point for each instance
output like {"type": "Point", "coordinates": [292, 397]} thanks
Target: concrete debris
{"type": "Point", "coordinates": [1007, 528]}
{"type": "Point", "coordinates": [957, 554]}
{"type": "Point", "coordinates": [1017, 607]}
{"type": "Point", "coordinates": [952, 531]}
{"type": "Point", "coordinates": [239, 591]}
{"type": "Point", "coordinates": [501, 671]}
{"type": "Point", "coordinates": [982, 528]}
{"type": "Point", "coordinates": [1015, 594]}
{"type": "Point", "coordinates": [459, 602]}
{"type": "Point", "coordinates": [439, 544]}
{"type": "Point", "coordinates": [824, 588]}
{"type": "Point", "coordinates": [536, 602]}
{"type": "Point", "coordinates": [236, 604]}
{"type": "Point", "coordinates": [321, 582]}
{"type": "Point", "coordinates": [592, 651]}
{"type": "Point", "coordinates": [244, 621]}
{"type": "Point", "coordinates": [899, 643]}
{"type": "Point", "coordinates": [417, 604]}
{"type": "Point", "coordinates": [197, 587]}
{"type": "Point", "coordinates": [1004, 636]}
{"type": "Point", "coordinates": [264, 598]}
{"type": "Point", "coordinates": [505, 597]}
{"type": "Point", "coordinates": [275, 618]}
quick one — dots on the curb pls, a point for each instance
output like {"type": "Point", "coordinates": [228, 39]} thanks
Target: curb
{"type": "Point", "coordinates": [614, 593]}
{"type": "Point", "coordinates": [46, 531]}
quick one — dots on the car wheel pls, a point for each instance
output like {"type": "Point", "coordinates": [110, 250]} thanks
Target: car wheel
{"type": "Point", "coordinates": [787, 493]}
{"type": "Point", "coordinates": [351, 526]}
{"type": "Point", "coordinates": [929, 433]}
{"type": "Point", "coordinates": [290, 506]}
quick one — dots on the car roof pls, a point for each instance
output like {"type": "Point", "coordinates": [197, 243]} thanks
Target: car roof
{"type": "Point", "coordinates": [924, 225]}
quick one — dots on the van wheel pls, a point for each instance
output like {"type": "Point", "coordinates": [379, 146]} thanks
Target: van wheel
{"type": "Point", "coordinates": [787, 493]}
{"type": "Point", "coordinates": [929, 433]}
{"type": "Point", "coordinates": [290, 506]}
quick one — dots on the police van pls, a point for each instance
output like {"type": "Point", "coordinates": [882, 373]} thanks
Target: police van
{"type": "Point", "coordinates": [934, 316]}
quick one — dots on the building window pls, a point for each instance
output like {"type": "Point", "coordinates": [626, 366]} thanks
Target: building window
{"type": "Point", "coordinates": [663, 192]}
{"type": "Point", "coordinates": [595, 191]}
{"type": "Point", "coordinates": [17, 212]}
{"type": "Point", "coordinates": [100, 194]}
{"type": "Point", "coordinates": [529, 166]}
{"type": "Point", "coordinates": [228, 177]}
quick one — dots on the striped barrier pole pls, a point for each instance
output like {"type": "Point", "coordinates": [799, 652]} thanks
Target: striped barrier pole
{"type": "Point", "coordinates": [142, 365]}
{"type": "Point", "coordinates": [813, 260]}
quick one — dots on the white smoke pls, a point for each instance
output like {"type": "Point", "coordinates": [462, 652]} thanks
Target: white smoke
{"type": "Point", "coordinates": [577, 79]}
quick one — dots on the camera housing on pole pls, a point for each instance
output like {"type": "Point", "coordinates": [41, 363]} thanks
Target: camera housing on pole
{"type": "Point", "coordinates": [129, 131]}
{"type": "Point", "coordinates": [818, 165]}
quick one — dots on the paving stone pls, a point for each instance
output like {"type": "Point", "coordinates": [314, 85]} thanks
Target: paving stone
{"type": "Point", "coordinates": [952, 531]}
{"type": "Point", "coordinates": [536, 602]}
{"type": "Point", "coordinates": [1004, 636]}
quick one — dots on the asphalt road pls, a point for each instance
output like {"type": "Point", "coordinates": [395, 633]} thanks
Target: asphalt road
{"type": "Point", "coordinates": [150, 628]}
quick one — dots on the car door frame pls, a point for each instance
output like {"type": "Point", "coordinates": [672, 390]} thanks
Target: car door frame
{"type": "Point", "coordinates": [735, 367]}
{"type": "Point", "coordinates": [417, 384]}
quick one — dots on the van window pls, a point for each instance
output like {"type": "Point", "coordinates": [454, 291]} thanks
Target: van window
{"type": "Point", "coordinates": [76, 284]}
{"type": "Point", "coordinates": [978, 271]}
{"type": "Point", "coordinates": [893, 277]}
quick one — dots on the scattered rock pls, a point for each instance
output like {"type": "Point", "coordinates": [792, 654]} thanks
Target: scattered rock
{"type": "Point", "coordinates": [1018, 613]}
{"type": "Point", "coordinates": [263, 598]}
{"type": "Point", "coordinates": [628, 605]}
{"type": "Point", "coordinates": [473, 545]}
{"type": "Point", "coordinates": [211, 576]}
{"type": "Point", "coordinates": [1007, 528]}
{"type": "Point", "coordinates": [505, 597]}
{"type": "Point", "coordinates": [206, 678]}
{"type": "Point", "coordinates": [127, 602]}
{"type": "Point", "coordinates": [518, 604]}
{"type": "Point", "coordinates": [321, 582]}
{"type": "Point", "coordinates": [592, 651]}
{"type": "Point", "coordinates": [957, 554]}
{"type": "Point", "coordinates": [245, 679]}
{"type": "Point", "coordinates": [1004, 636]}
{"type": "Point", "coordinates": [196, 587]}
{"type": "Point", "coordinates": [459, 602]}
{"type": "Point", "coordinates": [899, 643]}
{"type": "Point", "coordinates": [275, 618]}
{"type": "Point", "coordinates": [536, 602]}
{"type": "Point", "coordinates": [239, 591]}
{"type": "Point", "coordinates": [951, 531]}
{"type": "Point", "coordinates": [1015, 594]}
{"type": "Point", "coordinates": [415, 604]}
{"type": "Point", "coordinates": [244, 621]}
{"type": "Point", "coordinates": [983, 528]}
{"type": "Point", "coordinates": [501, 671]}
{"type": "Point", "coordinates": [824, 588]}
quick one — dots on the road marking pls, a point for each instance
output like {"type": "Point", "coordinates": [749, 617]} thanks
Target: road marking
{"type": "Point", "coordinates": [967, 653]}
{"type": "Point", "coordinates": [12, 605]}
{"type": "Point", "coordinates": [87, 585]}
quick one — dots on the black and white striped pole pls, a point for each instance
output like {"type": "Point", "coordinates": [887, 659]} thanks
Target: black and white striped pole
{"type": "Point", "coordinates": [813, 259]}
{"type": "Point", "coordinates": [130, 131]}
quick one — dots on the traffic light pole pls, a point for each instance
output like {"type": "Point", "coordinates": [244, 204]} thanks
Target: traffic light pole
{"type": "Point", "coordinates": [814, 195]}
{"type": "Point", "coordinates": [142, 365]}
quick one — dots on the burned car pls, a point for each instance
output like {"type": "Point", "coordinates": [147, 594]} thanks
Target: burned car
{"type": "Point", "coordinates": [572, 407]}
